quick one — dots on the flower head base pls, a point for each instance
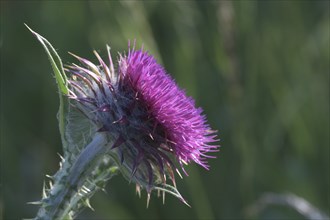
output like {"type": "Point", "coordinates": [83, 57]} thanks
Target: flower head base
{"type": "Point", "coordinates": [150, 118]}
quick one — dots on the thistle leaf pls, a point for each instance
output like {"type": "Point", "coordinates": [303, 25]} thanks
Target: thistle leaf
{"type": "Point", "coordinates": [55, 61]}
{"type": "Point", "coordinates": [62, 84]}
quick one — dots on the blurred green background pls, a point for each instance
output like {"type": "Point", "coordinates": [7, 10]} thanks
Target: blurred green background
{"type": "Point", "coordinates": [260, 70]}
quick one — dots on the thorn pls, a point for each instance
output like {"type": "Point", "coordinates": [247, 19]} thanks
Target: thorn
{"type": "Point", "coordinates": [185, 202]}
{"type": "Point", "coordinates": [88, 204]}
{"type": "Point", "coordinates": [105, 68]}
{"type": "Point", "coordinates": [138, 190]}
{"type": "Point", "coordinates": [104, 190]}
{"type": "Point", "coordinates": [34, 33]}
{"type": "Point", "coordinates": [62, 158]}
{"type": "Point", "coordinates": [50, 177]}
{"type": "Point", "coordinates": [163, 197]}
{"type": "Point", "coordinates": [122, 120]}
{"type": "Point", "coordinates": [112, 69]}
{"type": "Point", "coordinates": [184, 162]}
{"type": "Point", "coordinates": [150, 135]}
{"type": "Point", "coordinates": [44, 195]}
{"type": "Point", "coordinates": [179, 173]}
{"type": "Point", "coordinates": [34, 203]}
{"type": "Point", "coordinates": [148, 199]}
{"type": "Point", "coordinates": [83, 190]}
{"type": "Point", "coordinates": [86, 189]}
{"type": "Point", "coordinates": [86, 62]}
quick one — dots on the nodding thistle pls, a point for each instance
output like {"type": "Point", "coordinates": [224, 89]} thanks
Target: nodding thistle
{"type": "Point", "coordinates": [143, 121]}
{"type": "Point", "coordinates": [145, 111]}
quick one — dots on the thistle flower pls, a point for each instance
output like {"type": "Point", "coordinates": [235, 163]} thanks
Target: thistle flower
{"type": "Point", "coordinates": [143, 109]}
{"type": "Point", "coordinates": [134, 119]}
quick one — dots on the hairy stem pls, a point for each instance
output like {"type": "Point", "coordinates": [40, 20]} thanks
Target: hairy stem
{"type": "Point", "coordinates": [75, 182]}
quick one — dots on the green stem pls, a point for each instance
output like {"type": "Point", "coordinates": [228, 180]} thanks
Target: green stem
{"type": "Point", "coordinates": [75, 181]}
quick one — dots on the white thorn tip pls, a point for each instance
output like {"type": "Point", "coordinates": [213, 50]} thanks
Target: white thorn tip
{"type": "Point", "coordinates": [148, 200]}
{"type": "Point", "coordinates": [163, 197]}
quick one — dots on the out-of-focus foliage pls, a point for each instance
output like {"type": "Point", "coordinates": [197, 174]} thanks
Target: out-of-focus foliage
{"type": "Point", "coordinates": [260, 70]}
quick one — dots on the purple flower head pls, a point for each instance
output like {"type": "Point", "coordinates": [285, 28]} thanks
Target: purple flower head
{"type": "Point", "coordinates": [153, 123]}
{"type": "Point", "coordinates": [185, 127]}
